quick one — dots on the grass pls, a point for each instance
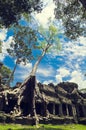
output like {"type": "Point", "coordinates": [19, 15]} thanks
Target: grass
{"type": "Point", "coordinates": [42, 127]}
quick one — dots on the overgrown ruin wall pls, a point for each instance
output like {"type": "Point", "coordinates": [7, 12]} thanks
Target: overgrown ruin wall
{"type": "Point", "coordinates": [58, 104]}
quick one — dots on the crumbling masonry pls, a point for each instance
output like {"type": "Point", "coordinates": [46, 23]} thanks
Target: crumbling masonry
{"type": "Point", "coordinates": [62, 103]}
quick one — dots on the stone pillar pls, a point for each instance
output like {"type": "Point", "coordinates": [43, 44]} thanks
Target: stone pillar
{"type": "Point", "coordinates": [74, 113]}
{"type": "Point", "coordinates": [53, 108]}
{"type": "Point", "coordinates": [60, 110]}
{"type": "Point", "coordinates": [73, 110]}
{"type": "Point", "coordinates": [67, 110]}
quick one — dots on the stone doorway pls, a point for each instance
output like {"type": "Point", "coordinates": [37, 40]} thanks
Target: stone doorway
{"type": "Point", "coordinates": [50, 108]}
{"type": "Point", "coordinates": [56, 109]}
{"type": "Point", "coordinates": [39, 108]}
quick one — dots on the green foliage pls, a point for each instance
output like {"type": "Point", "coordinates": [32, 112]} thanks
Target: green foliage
{"type": "Point", "coordinates": [22, 46]}
{"type": "Point", "coordinates": [52, 29]}
{"type": "Point", "coordinates": [73, 16]}
{"type": "Point", "coordinates": [5, 72]}
{"type": "Point", "coordinates": [42, 127]}
{"type": "Point", "coordinates": [23, 43]}
{"type": "Point", "coordinates": [49, 36]}
{"type": "Point", "coordinates": [11, 10]}
{"type": "Point", "coordinates": [2, 117]}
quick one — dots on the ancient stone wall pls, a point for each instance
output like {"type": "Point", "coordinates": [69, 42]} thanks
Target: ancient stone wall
{"type": "Point", "coordinates": [62, 103]}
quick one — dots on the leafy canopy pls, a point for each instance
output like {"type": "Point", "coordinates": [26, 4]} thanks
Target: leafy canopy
{"type": "Point", "coordinates": [73, 17]}
{"type": "Point", "coordinates": [5, 72]}
{"type": "Point", "coordinates": [26, 41]}
{"type": "Point", "coordinates": [11, 10]}
{"type": "Point", "coordinates": [22, 44]}
{"type": "Point", "coordinates": [48, 36]}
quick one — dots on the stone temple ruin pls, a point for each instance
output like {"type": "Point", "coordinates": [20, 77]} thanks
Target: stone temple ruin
{"type": "Point", "coordinates": [59, 104]}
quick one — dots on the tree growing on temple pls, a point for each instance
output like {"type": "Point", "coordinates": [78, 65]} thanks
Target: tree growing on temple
{"type": "Point", "coordinates": [47, 39]}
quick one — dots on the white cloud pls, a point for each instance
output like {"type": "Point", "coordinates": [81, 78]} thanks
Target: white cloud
{"type": "Point", "coordinates": [23, 71]}
{"type": "Point", "coordinates": [27, 66]}
{"type": "Point", "coordinates": [82, 40]}
{"type": "Point", "coordinates": [76, 54]}
{"type": "Point", "coordinates": [3, 34]}
{"type": "Point", "coordinates": [1, 57]}
{"type": "Point", "coordinates": [77, 48]}
{"type": "Point", "coordinates": [48, 12]}
{"type": "Point", "coordinates": [58, 78]}
{"type": "Point", "coordinates": [5, 46]}
{"type": "Point", "coordinates": [45, 71]}
{"type": "Point", "coordinates": [78, 77]}
{"type": "Point", "coordinates": [61, 73]}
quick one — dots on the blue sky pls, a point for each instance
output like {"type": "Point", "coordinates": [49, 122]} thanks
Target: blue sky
{"type": "Point", "coordinates": [67, 65]}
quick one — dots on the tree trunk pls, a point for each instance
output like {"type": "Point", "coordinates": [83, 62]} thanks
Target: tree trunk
{"type": "Point", "coordinates": [12, 74]}
{"type": "Point", "coordinates": [28, 86]}
{"type": "Point", "coordinates": [33, 72]}
{"type": "Point", "coordinates": [35, 67]}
